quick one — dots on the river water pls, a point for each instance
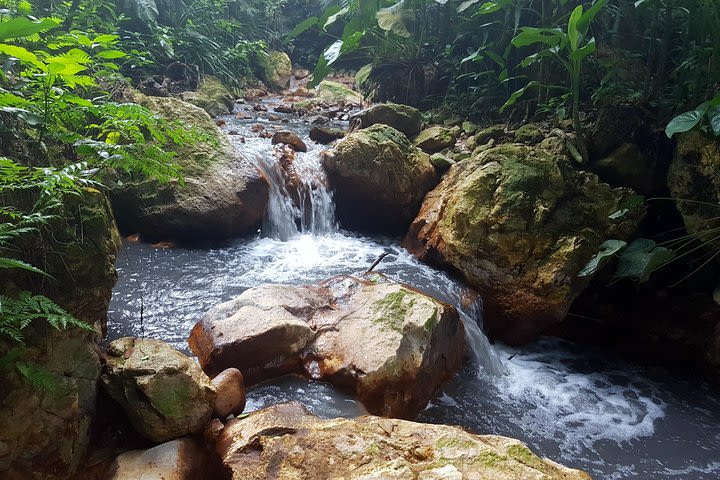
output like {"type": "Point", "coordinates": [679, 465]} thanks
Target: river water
{"type": "Point", "coordinates": [581, 407]}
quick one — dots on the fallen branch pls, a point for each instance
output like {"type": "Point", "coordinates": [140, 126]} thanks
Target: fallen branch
{"type": "Point", "coordinates": [376, 262]}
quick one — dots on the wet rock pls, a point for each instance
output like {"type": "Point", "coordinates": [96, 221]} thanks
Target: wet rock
{"type": "Point", "coordinates": [277, 70]}
{"type": "Point", "coordinates": [296, 444]}
{"type": "Point", "coordinates": [402, 118]}
{"type": "Point", "coordinates": [530, 134]}
{"type": "Point", "coordinates": [379, 179]}
{"type": "Point", "coordinates": [284, 109]}
{"type": "Point", "coordinates": [212, 96]}
{"type": "Point", "coordinates": [289, 138]}
{"type": "Point", "coordinates": [519, 224]}
{"type": "Point", "coordinates": [164, 393]}
{"type": "Point", "coordinates": [230, 397]}
{"type": "Point", "coordinates": [181, 459]}
{"type": "Point", "coordinates": [224, 195]}
{"type": "Point", "coordinates": [331, 93]}
{"type": "Point", "coordinates": [694, 180]}
{"type": "Point", "coordinates": [435, 139]}
{"type": "Point", "coordinates": [411, 342]}
{"type": "Point", "coordinates": [326, 135]}
{"type": "Point", "coordinates": [45, 432]}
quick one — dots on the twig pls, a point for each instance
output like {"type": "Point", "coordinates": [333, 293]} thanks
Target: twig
{"type": "Point", "coordinates": [376, 262]}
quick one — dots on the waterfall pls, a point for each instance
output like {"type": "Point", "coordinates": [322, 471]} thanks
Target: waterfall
{"type": "Point", "coordinates": [300, 200]}
{"type": "Point", "coordinates": [482, 352]}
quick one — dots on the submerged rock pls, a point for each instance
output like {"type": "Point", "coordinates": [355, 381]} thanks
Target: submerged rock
{"type": "Point", "coordinates": [287, 442]}
{"type": "Point", "coordinates": [410, 342]}
{"type": "Point", "coordinates": [289, 138]}
{"type": "Point", "coordinates": [519, 224]}
{"type": "Point", "coordinates": [402, 118]}
{"type": "Point", "coordinates": [164, 393]}
{"type": "Point", "coordinates": [379, 179]}
{"type": "Point", "coordinates": [224, 195]}
{"type": "Point", "coordinates": [435, 139]}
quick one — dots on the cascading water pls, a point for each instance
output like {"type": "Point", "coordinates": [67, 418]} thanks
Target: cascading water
{"type": "Point", "coordinates": [582, 408]}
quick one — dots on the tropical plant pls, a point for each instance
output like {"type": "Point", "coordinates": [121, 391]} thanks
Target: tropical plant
{"type": "Point", "coordinates": [706, 117]}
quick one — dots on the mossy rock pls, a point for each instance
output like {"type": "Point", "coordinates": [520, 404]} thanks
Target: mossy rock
{"type": "Point", "coordinates": [519, 224]}
{"type": "Point", "coordinates": [212, 96]}
{"type": "Point", "coordinates": [436, 138]}
{"type": "Point", "coordinates": [403, 118]}
{"type": "Point", "coordinates": [379, 179]}
{"type": "Point", "coordinates": [276, 69]}
{"type": "Point", "coordinates": [331, 93]}
{"type": "Point", "coordinates": [223, 195]}
{"type": "Point", "coordinates": [529, 134]}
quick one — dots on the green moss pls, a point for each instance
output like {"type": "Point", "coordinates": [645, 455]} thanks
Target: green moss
{"type": "Point", "coordinates": [490, 459]}
{"type": "Point", "coordinates": [523, 455]}
{"type": "Point", "coordinates": [171, 400]}
{"type": "Point", "coordinates": [432, 321]}
{"type": "Point", "coordinates": [452, 442]}
{"type": "Point", "coordinates": [392, 310]}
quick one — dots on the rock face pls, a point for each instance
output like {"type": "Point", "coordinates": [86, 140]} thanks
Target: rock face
{"type": "Point", "coordinates": [212, 96]}
{"type": "Point", "coordinates": [44, 433]}
{"type": "Point", "coordinates": [164, 393]}
{"type": "Point", "coordinates": [519, 224]}
{"type": "Point", "coordinates": [181, 459]}
{"type": "Point", "coordinates": [287, 442]}
{"type": "Point", "coordinates": [379, 178]}
{"type": "Point", "coordinates": [694, 180]}
{"type": "Point", "coordinates": [277, 70]}
{"type": "Point", "coordinates": [224, 195]}
{"type": "Point", "coordinates": [435, 139]}
{"type": "Point", "coordinates": [410, 342]}
{"type": "Point", "coordinates": [402, 118]}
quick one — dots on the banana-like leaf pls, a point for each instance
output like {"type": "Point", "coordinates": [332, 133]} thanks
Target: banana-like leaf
{"type": "Point", "coordinates": [22, 27]}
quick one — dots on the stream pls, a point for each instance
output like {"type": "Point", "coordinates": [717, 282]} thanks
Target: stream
{"type": "Point", "coordinates": [584, 408]}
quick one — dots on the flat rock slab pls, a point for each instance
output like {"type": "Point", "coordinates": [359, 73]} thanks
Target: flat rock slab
{"type": "Point", "coordinates": [287, 442]}
{"type": "Point", "coordinates": [390, 344]}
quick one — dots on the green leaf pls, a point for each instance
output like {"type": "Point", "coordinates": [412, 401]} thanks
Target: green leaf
{"type": "Point", "coordinates": [303, 26]}
{"type": "Point", "coordinates": [466, 4]}
{"type": "Point", "coordinates": [519, 93]}
{"type": "Point", "coordinates": [22, 54]}
{"type": "Point", "coordinates": [626, 206]}
{"type": "Point", "coordinates": [363, 74]}
{"type": "Point", "coordinates": [334, 17]}
{"type": "Point", "coordinates": [13, 263]}
{"type": "Point", "coordinates": [531, 35]}
{"type": "Point", "coordinates": [580, 54]}
{"type": "Point", "coordinates": [686, 121]}
{"type": "Point", "coordinates": [111, 54]}
{"type": "Point", "coordinates": [396, 19]}
{"type": "Point", "coordinates": [583, 24]}
{"type": "Point", "coordinates": [607, 250]}
{"type": "Point", "coordinates": [22, 27]}
{"type": "Point", "coordinates": [641, 258]}
{"type": "Point", "coordinates": [25, 115]}
{"type": "Point", "coordinates": [572, 30]}
{"type": "Point", "coordinates": [714, 120]}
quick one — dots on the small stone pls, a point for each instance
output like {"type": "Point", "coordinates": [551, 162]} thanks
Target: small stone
{"type": "Point", "coordinates": [325, 135]}
{"type": "Point", "coordinates": [289, 138]}
{"type": "Point", "coordinates": [230, 397]}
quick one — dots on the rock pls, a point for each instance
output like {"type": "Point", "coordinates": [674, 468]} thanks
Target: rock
{"type": "Point", "coordinates": [379, 179]}
{"type": "Point", "coordinates": [213, 97]}
{"type": "Point", "coordinates": [628, 166]}
{"type": "Point", "coordinates": [301, 73]}
{"type": "Point", "coordinates": [469, 127]}
{"type": "Point", "coordinates": [694, 180]}
{"type": "Point", "coordinates": [44, 433]}
{"type": "Point", "coordinates": [284, 109]}
{"type": "Point", "coordinates": [331, 93]}
{"type": "Point", "coordinates": [530, 134]}
{"type": "Point", "coordinates": [224, 195]}
{"type": "Point", "coordinates": [230, 397]}
{"type": "Point", "coordinates": [296, 444]}
{"type": "Point", "coordinates": [519, 224]}
{"type": "Point", "coordinates": [164, 393]}
{"type": "Point", "coordinates": [435, 139]}
{"type": "Point", "coordinates": [614, 126]}
{"type": "Point", "coordinates": [493, 132]}
{"type": "Point", "coordinates": [326, 135]}
{"type": "Point", "coordinates": [289, 138]}
{"type": "Point", "coordinates": [181, 459]}
{"type": "Point", "coordinates": [277, 69]}
{"type": "Point", "coordinates": [441, 162]}
{"type": "Point", "coordinates": [403, 118]}
{"type": "Point", "coordinates": [411, 342]}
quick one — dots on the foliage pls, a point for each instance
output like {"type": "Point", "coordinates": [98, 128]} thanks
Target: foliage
{"type": "Point", "coordinates": [706, 117]}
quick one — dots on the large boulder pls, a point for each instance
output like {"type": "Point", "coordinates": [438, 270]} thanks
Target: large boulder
{"type": "Point", "coordinates": [276, 69]}
{"type": "Point", "coordinates": [223, 196]}
{"type": "Point", "coordinates": [164, 393]}
{"type": "Point", "coordinates": [410, 342]}
{"type": "Point", "coordinates": [287, 442]}
{"type": "Point", "coordinates": [45, 417]}
{"type": "Point", "coordinates": [519, 224]}
{"type": "Point", "coordinates": [182, 459]}
{"type": "Point", "coordinates": [379, 178]}
{"type": "Point", "coordinates": [330, 93]}
{"type": "Point", "coordinates": [402, 118]}
{"type": "Point", "coordinates": [694, 182]}
{"type": "Point", "coordinates": [212, 96]}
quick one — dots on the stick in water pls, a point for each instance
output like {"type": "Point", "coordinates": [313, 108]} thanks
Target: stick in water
{"type": "Point", "coordinates": [375, 263]}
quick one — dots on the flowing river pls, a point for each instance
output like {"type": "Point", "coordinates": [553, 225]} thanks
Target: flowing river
{"type": "Point", "coordinates": [583, 408]}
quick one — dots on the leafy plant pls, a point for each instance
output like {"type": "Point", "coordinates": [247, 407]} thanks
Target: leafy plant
{"type": "Point", "coordinates": [568, 48]}
{"type": "Point", "coordinates": [706, 117]}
